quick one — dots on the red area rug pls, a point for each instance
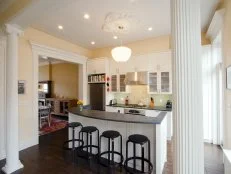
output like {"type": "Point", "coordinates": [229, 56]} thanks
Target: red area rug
{"type": "Point", "coordinates": [56, 124]}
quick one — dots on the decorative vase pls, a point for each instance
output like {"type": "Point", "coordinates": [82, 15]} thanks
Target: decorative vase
{"type": "Point", "coordinates": [80, 107]}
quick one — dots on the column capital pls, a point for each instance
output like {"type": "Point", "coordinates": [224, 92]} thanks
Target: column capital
{"type": "Point", "coordinates": [13, 29]}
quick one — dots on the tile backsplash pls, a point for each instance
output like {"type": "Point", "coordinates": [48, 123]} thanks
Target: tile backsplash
{"type": "Point", "coordinates": [139, 94]}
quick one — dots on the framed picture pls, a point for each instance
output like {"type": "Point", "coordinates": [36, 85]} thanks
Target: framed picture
{"type": "Point", "coordinates": [228, 76]}
{"type": "Point", "coordinates": [21, 86]}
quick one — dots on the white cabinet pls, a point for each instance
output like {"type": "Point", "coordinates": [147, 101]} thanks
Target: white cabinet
{"type": "Point", "coordinates": [158, 64]}
{"type": "Point", "coordinates": [155, 113]}
{"type": "Point", "coordinates": [114, 109]}
{"type": "Point", "coordinates": [160, 82]}
{"type": "Point", "coordinates": [97, 66]}
{"type": "Point", "coordinates": [152, 113]}
{"type": "Point", "coordinates": [118, 83]}
{"type": "Point", "coordinates": [160, 76]}
{"type": "Point", "coordinates": [118, 75]}
{"type": "Point", "coordinates": [169, 126]}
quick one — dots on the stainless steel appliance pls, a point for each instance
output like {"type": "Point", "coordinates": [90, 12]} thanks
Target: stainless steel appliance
{"type": "Point", "coordinates": [137, 78]}
{"type": "Point", "coordinates": [134, 111]}
{"type": "Point", "coordinates": [97, 96]}
{"type": "Point", "coordinates": [113, 102]}
{"type": "Point", "coordinates": [169, 104]}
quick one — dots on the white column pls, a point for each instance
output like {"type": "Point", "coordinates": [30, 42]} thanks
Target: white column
{"type": "Point", "coordinates": [83, 83]}
{"type": "Point", "coordinates": [187, 87]}
{"type": "Point", "coordinates": [12, 141]}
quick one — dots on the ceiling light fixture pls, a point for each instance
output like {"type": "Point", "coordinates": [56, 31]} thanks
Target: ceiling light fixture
{"type": "Point", "coordinates": [86, 16]}
{"type": "Point", "coordinates": [93, 43]}
{"type": "Point", "coordinates": [115, 37]}
{"type": "Point", "coordinates": [121, 53]}
{"type": "Point", "coordinates": [150, 29]}
{"type": "Point", "coordinates": [60, 27]}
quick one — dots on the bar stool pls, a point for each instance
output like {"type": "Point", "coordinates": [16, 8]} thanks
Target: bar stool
{"type": "Point", "coordinates": [111, 135]}
{"type": "Point", "coordinates": [88, 131]}
{"type": "Point", "coordinates": [141, 140]}
{"type": "Point", "coordinates": [66, 144]}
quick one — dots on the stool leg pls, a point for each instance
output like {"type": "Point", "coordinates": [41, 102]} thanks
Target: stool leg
{"type": "Point", "coordinates": [98, 143]}
{"type": "Point", "coordinates": [126, 153]}
{"type": "Point", "coordinates": [113, 150]}
{"type": "Point", "coordinates": [142, 159]}
{"type": "Point", "coordinates": [91, 143]}
{"type": "Point", "coordinates": [87, 142]}
{"type": "Point", "coordinates": [121, 150]}
{"type": "Point", "coordinates": [149, 151]}
{"type": "Point", "coordinates": [99, 152]}
{"type": "Point", "coordinates": [134, 155]}
{"type": "Point", "coordinates": [73, 138]}
{"type": "Point", "coordinates": [109, 144]}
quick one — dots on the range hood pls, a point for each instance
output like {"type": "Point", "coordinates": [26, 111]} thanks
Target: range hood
{"type": "Point", "coordinates": [137, 78]}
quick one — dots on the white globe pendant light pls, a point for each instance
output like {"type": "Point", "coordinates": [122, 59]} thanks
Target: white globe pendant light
{"type": "Point", "coordinates": [121, 53]}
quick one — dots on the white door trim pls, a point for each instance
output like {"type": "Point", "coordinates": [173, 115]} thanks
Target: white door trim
{"type": "Point", "coordinates": [3, 97]}
{"type": "Point", "coordinates": [42, 50]}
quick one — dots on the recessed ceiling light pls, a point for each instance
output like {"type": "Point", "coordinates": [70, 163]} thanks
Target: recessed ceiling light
{"type": "Point", "coordinates": [60, 27]}
{"type": "Point", "coordinates": [86, 16]}
{"type": "Point", "coordinates": [150, 29]}
{"type": "Point", "coordinates": [115, 37]}
{"type": "Point", "coordinates": [93, 43]}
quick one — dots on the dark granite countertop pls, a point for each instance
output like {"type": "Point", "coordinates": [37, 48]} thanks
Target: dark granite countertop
{"type": "Point", "coordinates": [118, 117]}
{"type": "Point", "coordinates": [159, 108]}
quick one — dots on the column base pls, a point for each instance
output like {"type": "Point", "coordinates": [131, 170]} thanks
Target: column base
{"type": "Point", "coordinates": [8, 170]}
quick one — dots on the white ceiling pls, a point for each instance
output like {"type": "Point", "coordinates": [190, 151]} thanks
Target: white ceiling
{"type": "Point", "coordinates": [148, 13]}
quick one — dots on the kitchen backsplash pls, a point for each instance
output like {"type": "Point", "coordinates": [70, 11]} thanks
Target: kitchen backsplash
{"type": "Point", "coordinates": [139, 94]}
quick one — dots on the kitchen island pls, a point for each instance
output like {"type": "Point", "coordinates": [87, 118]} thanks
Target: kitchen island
{"type": "Point", "coordinates": [145, 111]}
{"type": "Point", "coordinates": [155, 128]}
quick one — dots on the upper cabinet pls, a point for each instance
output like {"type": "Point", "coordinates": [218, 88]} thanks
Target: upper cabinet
{"type": "Point", "coordinates": [160, 74]}
{"type": "Point", "coordinates": [157, 64]}
{"type": "Point", "coordinates": [97, 66]}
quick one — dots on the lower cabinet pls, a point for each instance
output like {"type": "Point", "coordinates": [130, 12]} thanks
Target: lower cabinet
{"type": "Point", "coordinates": [155, 113]}
{"type": "Point", "coordinates": [149, 113]}
{"type": "Point", "coordinates": [114, 109]}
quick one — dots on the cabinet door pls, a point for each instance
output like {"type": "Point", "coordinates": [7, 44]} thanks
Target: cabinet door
{"type": "Point", "coordinates": [165, 82]}
{"type": "Point", "coordinates": [114, 84]}
{"type": "Point", "coordinates": [153, 82]}
{"type": "Point", "coordinates": [142, 63]}
{"type": "Point", "coordinates": [96, 66]}
{"type": "Point", "coordinates": [122, 85]}
{"type": "Point", "coordinates": [152, 113]}
{"type": "Point", "coordinates": [90, 67]}
{"type": "Point", "coordinates": [113, 67]}
{"type": "Point", "coordinates": [111, 109]}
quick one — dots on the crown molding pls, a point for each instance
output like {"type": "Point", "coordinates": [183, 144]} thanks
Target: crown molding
{"type": "Point", "coordinates": [57, 53]}
{"type": "Point", "coordinates": [216, 24]}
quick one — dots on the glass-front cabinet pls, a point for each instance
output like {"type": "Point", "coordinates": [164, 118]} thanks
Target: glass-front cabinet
{"type": "Point", "coordinates": [118, 83]}
{"type": "Point", "coordinates": [153, 85]}
{"type": "Point", "coordinates": [160, 82]}
{"type": "Point", "coordinates": [165, 82]}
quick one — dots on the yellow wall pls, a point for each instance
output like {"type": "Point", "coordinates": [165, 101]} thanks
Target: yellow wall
{"type": "Point", "coordinates": [146, 46]}
{"type": "Point", "coordinates": [64, 77]}
{"type": "Point", "coordinates": [44, 73]}
{"type": "Point", "coordinates": [140, 47]}
{"type": "Point", "coordinates": [27, 131]}
{"type": "Point", "coordinates": [13, 9]}
{"type": "Point", "coordinates": [227, 61]}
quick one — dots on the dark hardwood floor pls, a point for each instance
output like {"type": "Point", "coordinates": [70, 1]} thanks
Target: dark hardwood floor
{"type": "Point", "coordinates": [49, 158]}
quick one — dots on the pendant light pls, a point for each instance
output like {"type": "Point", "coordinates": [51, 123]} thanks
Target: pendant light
{"type": "Point", "coordinates": [121, 53]}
